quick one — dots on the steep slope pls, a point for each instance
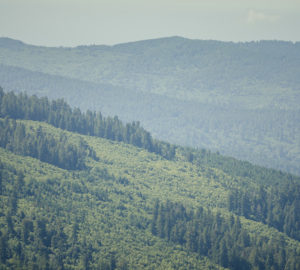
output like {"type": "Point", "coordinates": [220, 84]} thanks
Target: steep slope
{"type": "Point", "coordinates": [61, 115]}
{"type": "Point", "coordinates": [126, 207]}
{"type": "Point", "coordinates": [79, 220]}
{"type": "Point", "coordinates": [104, 213]}
{"type": "Point", "coordinates": [241, 99]}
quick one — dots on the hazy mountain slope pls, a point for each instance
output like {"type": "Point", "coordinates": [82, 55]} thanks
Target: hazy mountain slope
{"type": "Point", "coordinates": [172, 66]}
{"type": "Point", "coordinates": [239, 98]}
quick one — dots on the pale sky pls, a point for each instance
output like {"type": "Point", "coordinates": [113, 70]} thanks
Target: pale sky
{"type": "Point", "coordinates": [81, 22]}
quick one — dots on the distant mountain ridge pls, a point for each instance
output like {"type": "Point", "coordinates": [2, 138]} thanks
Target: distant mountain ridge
{"type": "Point", "coordinates": [239, 98]}
{"type": "Point", "coordinates": [199, 70]}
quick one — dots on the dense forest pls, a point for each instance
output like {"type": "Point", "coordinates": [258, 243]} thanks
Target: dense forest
{"type": "Point", "coordinates": [45, 147]}
{"type": "Point", "coordinates": [222, 240]}
{"type": "Point", "coordinates": [277, 208]}
{"type": "Point", "coordinates": [240, 99]}
{"type": "Point", "coordinates": [82, 191]}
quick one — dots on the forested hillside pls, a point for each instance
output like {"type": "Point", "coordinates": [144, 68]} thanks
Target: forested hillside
{"type": "Point", "coordinates": [241, 99]}
{"type": "Point", "coordinates": [82, 191]}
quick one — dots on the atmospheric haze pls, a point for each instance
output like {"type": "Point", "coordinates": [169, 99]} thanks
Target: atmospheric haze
{"type": "Point", "coordinates": [76, 22]}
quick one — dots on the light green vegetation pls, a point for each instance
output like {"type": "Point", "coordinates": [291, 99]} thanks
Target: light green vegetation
{"type": "Point", "coordinates": [100, 216]}
{"type": "Point", "coordinates": [111, 217]}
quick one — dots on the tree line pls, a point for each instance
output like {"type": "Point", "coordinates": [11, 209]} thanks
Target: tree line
{"type": "Point", "coordinates": [59, 114]}
{"type": "Point", "coordinates": [58, 151]}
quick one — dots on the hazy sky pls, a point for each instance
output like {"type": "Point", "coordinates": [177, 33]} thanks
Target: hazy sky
{"type": "Point", "coordinates": [75, 22]}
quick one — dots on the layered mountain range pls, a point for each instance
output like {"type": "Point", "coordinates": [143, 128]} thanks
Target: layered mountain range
{"type": "Point", "coordinates": [241, 99]}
